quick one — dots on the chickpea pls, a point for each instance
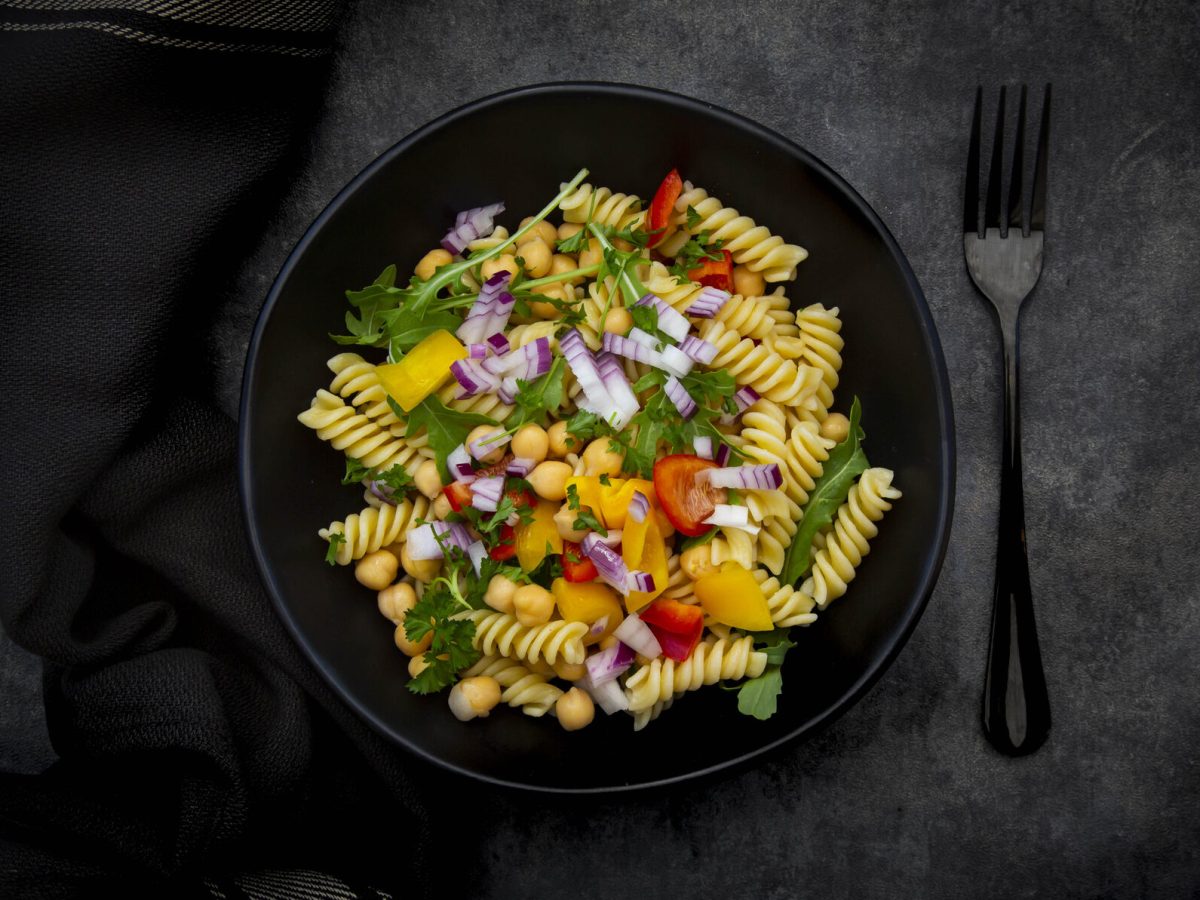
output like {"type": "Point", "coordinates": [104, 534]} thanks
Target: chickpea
{"type": "Point", "coordinates": [396, 601]}
{"type": "Point", "coordinates": [747, 283]}
{"type": "Point", "coordinates": [575, 710]}
{"type": "Point", "coordinates": [591, 255]}
{"type": "Point", "coordinates": [408, 647]}
{"type": "Point", "coordinates": [482, 431]}
{"type": "Point", "coordinates": [505, 262]}
{"type": "Point", "coordinates": [428, 480]}
{"type": "Point", "coordinates": [622, 244]}
{"type": "Point", "coordinates": [568, 230]}
{"type": "Point", "coordinates": [835, 427]}
{"type": "Point", "coordinates": [473, 697]}
{"type": "Point", "coordinates": [544, 309]}
{"type": "Point", "coordinates": [431, 262]}
{"type": "Point", "coordinates": [543, 230]}
{"type": "Point", "coordinates": [376, 570]}
{"type": "Point", "coordinates": [568, 672]}
{"type": "Point", "coordinates": [618, 321]}
{"type": "Point", "coordinates": [549, 479]}
{"type": "Point", "coordinates": [696, 562]}
{"type": "Point", "coordinates": [499, 594]}
{"type": "Point", "coordinates": [564, 521]}
{"type": "Point", "coordinates": [599, 459]}
{"type": "Point", "coordinates": [560, 263]}
{"type": "Point", "coordinates": [531, 442]}
{"type": "Point", "coordinates": [562, 441]}
{"type": "Point", "coordinates": [423, 570]}
{"type": "Point", "coordinates": [533, 604]}
{"type": "Point", "coordinates": [441, 507]}
{"type": "Point", "coordinates": [417, 665]}
{"type": "Point", "coordinates": [536, 254]}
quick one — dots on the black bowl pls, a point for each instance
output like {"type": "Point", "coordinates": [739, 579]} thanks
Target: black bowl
{"type": "Point", "coordinates": [517, 146]}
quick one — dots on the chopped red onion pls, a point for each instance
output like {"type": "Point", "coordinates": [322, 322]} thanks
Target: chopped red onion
{"type": "Point", "coordinates": [639, 506]}
{"type": "Point", "coordinates": [477, 553]}
{"type": "Point", "coordinates": [640, 581]}
{"type": "Point", "coordinates": [598, 627]}
{"type": "Point", "coordinates": [497, 343]}
{"type": "Point", "coordinates": [724, 451]}
{"type": "Point", "coordinates": [617, 385]}
{"type": "Point", "coordinates": [610, 697]}
{"type": "Point", "coordinates": [538, 358]}
{"type": "Point", "coordinates": [669, 321]}
{"type": "Point", "coordinates": [676, 361]}
{"type": "Point", "coordinates": [637, 634]}
{"type": "Point", "coordinates": [519, 467]}
{"type": "Point", "coordinates": [745, 397]}
{"type": "Point", "coordinates": [645, 338]}
{"type": "Point", "coordinates": [507, 392]}
{"type": "Point", "coordinates": [472, 377]}
{"type": "Point", "coordinates": [501, 310]}
{"type": "Point", "coordinates": [678, 395]}
{"type": "Point", "coordinates": [477, 351]}
{"type": "Point", "coordinates": [703, 445]}
{"type": "Point", "coordinates": [729, 515]}
{"type": "Point", "coordinates": [458, 462]}
{"type": "Point", "coordinates": [606, 665]}
{"type": "Point", "coordinates": [631, 349]}
{"type": "Point", "coordinates": [701, 351]}
{"type": "Point", "coordinates": [488, 443]}
{"type": "Point", "coordinates": [486, 493]}
{"type": "Point", "coordinates": [475, 325]}
{"type": "Point", "coordinates": [583, 366]}
{"type": "Point", "coordinates": [427, 541]}
{"type": "Point", "coordinates": [471, 225]}
{"type": "Point", "coordinates": [762, 478]}
{"type": "Point", "coordinates": [381, 491]}
{"type": "Point", "coordinates": [609, 565]}
{"type": "Point", "coordinates": [708, 303]}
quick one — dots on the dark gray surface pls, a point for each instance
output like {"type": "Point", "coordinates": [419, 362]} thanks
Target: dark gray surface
{"type": "Point", "coordinates": [902, 796]}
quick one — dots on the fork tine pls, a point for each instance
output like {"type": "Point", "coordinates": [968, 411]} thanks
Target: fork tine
{"type": "Point", "coordinates": [991, 210]}
{"type": "Point", "coordinates": [971, 194]}
{"type": "Point", "coordinates": [1037, 212]}
{"type": "Point", "coordinates": [1016, 199]}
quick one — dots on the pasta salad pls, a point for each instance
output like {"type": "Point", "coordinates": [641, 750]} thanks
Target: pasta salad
{"type": "Point", "coordinates": [599, 457]}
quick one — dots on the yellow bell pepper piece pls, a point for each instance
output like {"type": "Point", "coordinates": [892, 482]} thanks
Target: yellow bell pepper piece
{"type": "Point", "coordinates": [424, 369]}
{"type": "Point", "coordinates": [616, 496]}
{"type": "Point", "coordinates": [533, 536]}
{"type": "Point", "coordinates": [588, 601]}
{"type": "Point", "coordinates": [587, 487]}
{"type": "Point", "coordinates": [646, 550]}
{"type": "Point", "coordinates": [733, 597]}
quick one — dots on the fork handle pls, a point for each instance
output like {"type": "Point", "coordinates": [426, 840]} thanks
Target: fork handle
{"type": "Point", "coordinates": [1016, 705]}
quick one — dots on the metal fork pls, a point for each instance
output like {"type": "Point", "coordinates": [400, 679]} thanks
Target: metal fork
{"type": "Point", "coordinates": [1005, 260]}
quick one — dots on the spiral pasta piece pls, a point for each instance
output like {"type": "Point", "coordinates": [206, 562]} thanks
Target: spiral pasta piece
{"type": "Point", "coordinates": [354, 379]}
{"type": "Point", "coordinates": [710, 662]}
{"type": "Point", "coordinates": [357, 436]}
{"type": "Point", "coordinates": [734, 545]}
{"type": "Point", "coordinates": [520, 335]}
{"type": "Point", "coordinates": [820, 331]}
{"type": "Point", "coordinates": [373, 528]}
{"type": "Point", "coordinates": [751, 245]}
{"type": "Point", "coordinates": [485, 404]}
{"type": "Point", "coordinates": [753, 365]}
{"type": "Point", "coordinates": [679, 586]}
{"type": "Point", "coordinates": [849, 540]}
{"type": "Point", "coordinates": [779, 308]}
{"type": "Point", "coordinates": [644, 717]}
{"type": "Point", "coordinates": [501, 633]}
{"type": "Point", "coordinates": [750, 317]}
{"type": "Point", "coordinates": [805, 456]}
{"type": "Point", "coordinates": [619, 211]}
{"type": "Point", "coordinates": [789, 606]}
{"type": "Point", "coordinates": [520, 687]}
{"type": "Point", "coordinates": [677, 293]}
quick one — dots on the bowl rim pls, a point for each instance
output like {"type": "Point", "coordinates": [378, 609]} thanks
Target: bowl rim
{"type": "Point", "coordinates": [927, 577]}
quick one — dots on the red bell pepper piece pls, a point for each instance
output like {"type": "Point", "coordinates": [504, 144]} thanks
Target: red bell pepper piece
{"type": "Point", "coordinates": [686, 500]}
{"type": "Point", "coordinates": [662, 207]}
{"type": "Point", "coordinates": [507, 548]}
{"type": "Point", "coordinates": [678, 626]}
{"type": "Point", "coordinates": [459, 495]}
{"type": "Point", "coordinates": [717, 273]}
{"type": "Point", "coordinates": [576, 566]}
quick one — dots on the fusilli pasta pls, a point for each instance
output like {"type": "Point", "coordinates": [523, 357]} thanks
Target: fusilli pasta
{"type": "Point", "coordinates": [520, 687]}
{"type": "Point", "coordinates": [710, 662]}
{"type": "Point", "coordinates": [369, 530]}
{"type": "Point", "coordinates": [501, 633]}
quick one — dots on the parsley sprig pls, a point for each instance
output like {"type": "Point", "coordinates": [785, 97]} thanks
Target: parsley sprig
{"type": "Point", "coordinates": [452, 645]}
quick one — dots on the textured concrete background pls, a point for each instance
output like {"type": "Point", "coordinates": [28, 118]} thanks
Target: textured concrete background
{"type": "Point", "coordinates": [902, 796]}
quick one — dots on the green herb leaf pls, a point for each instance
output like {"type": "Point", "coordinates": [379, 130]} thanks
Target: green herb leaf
{"type": "Point", "coordinates": [699, 540]}
{"type": "Point", "coordinates": [757, 696]}
{"type": "Point", "coordinates": [396, 478]}
{"type": "Point", "coordinates": [572, 497]}
{"type": "Point", "coordinates": [585, 425]}
{"type": "Point", "coordinates": [693, 217]}
{"type": "Point", "coordinates": [355, 471]}
{"type": "Point", "coordinates": [541, 398]}
{"type": "Point", "coordinates": [587, 521]}
{"type": "Point", "coordinates": [452, 638]}
{"type": "Point", "coordinates": [576, 243]}
{"type": "Point", "coordinates": [405, 330]}
{"type": "Point", "coordinates": [605, 480]}
{"type": "Point", "coordinates": [447, 428]}
{"type": "Point", "coordinates": [336, 539]}
{"type": "Point", "coordinates": [694, 252]}
{"type": "Point", "coordinates": [846, 462]}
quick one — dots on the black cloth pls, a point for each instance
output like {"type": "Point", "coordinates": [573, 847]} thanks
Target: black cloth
{"type": "Point", "coordinates": [140, 156]}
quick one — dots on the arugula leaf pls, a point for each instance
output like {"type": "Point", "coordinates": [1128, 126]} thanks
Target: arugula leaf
{"type": "Point", "coordinates": [355, 471]}
{"type": "Point", "coordinates": [622, 266]}
{"type": "Point", "coordinates": [775, 643]}
{"type": "Point", "coordinates": [699, 540]}
{"type": "Point", "coordinates": [405, 330]}
{"type": "Point", "coordinates": [542, 397]}
{"type": "Point", "coordinates": [757, 696]}
{"type": "Point", "coordinates": [447, 428]}
{"type": "Point", "coordinates": [846, 462]}
{"type": "Point", "coordinates": [336, 539]}
{"type": "Point", "coordinates": [576, 243]}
